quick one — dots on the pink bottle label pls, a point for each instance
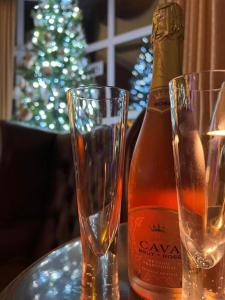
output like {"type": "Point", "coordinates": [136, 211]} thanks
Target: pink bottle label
{"type": "Point", "coordinates": [154, 246]}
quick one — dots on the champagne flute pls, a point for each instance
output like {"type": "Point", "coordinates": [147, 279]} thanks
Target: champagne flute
{"type": "Point", "coordinates": [197, 115]}
{"type": "Point", "coordinates": [98, 118]}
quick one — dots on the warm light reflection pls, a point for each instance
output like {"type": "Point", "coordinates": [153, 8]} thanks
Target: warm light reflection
{"type": "Point", "coordinates": [216, 132]}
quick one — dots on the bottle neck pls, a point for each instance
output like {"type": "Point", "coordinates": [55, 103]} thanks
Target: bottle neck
{"type": "Point", "coordinates": [166, 65]}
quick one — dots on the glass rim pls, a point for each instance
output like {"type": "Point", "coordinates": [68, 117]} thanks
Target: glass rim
{"type": "Point", "coordinates": [186, 75]}
{"type": "Point", "coordinates": [98, 87]}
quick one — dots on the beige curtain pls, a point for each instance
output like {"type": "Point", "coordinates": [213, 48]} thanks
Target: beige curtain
{"type": "Point", "coordinates": [204, 40]}
{"type": "Point", "coordinates": [7, 43]}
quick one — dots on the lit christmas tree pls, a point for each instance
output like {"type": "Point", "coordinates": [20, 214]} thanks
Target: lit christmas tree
{"type": "Point", "coordinates": [54, 61]}
{"type": "Point", "coordinates": [141, 77]}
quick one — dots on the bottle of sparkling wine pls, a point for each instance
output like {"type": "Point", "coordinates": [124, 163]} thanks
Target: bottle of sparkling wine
{"type": "Point", "coordinates": [154, 258]}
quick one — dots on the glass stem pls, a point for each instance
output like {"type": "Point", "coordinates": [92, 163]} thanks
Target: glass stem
{"type": "Point", "coordinates": [192, 285]}
{"type": "Point", "coordinates": [100, 273]}
{"type": "Point", "coordinates": [202, 284]}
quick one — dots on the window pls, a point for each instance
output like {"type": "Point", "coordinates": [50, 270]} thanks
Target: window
{"type": "Point", "coordinates": [113, 28]}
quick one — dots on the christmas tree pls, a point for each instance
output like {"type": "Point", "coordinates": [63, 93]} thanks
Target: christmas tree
{"type": "Point", "coordinates": [54, 61]}
{"type": "Point", "coordinates": [141, 77]}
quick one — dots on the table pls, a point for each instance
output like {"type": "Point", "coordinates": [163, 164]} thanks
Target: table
{"type": "Point", "coordinates": [57, 275]}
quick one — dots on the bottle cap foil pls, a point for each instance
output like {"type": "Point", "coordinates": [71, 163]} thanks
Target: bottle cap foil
{"type": "Point", "coordinates": [167, 22]}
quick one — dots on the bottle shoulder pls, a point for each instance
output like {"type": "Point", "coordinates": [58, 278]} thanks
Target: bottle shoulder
{"type": "Point", "coordinates": [152, 160]}
{"type": "Point", "coordinates": [155, 130]}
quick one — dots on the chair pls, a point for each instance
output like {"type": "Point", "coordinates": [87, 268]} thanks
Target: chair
{"type": "Point", "coordinates": [37, 196]}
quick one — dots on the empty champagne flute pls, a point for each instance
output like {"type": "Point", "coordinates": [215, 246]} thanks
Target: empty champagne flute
{"type": "Point", "coordinates": [198, 124]}
{"type": "Point", "coordinates": [98, 118]}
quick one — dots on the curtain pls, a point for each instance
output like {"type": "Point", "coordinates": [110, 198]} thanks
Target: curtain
{"type": "Point", "coordinates": [7, 47]}
{"type": "Point", "coordinates": [204, 37]}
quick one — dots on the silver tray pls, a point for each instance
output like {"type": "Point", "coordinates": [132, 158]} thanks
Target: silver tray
{"type": "Point", "coordinates": [57, 275]}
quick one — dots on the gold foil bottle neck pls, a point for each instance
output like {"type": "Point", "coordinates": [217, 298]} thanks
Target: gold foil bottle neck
{"type": "Point", "coordinates": [167, 22]}
{"type": "Point", "coordinates": [167, 38]}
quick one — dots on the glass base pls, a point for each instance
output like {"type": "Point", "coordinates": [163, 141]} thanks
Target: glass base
{"type": "Point", "coordinates": [152, 292]}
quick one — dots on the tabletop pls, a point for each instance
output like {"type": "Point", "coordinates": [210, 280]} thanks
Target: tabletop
{"type": "Point", "coordinates": [57, 275]}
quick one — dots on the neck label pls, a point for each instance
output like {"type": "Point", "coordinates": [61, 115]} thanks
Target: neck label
{"type": "Point", "coordinates": [159, 100]}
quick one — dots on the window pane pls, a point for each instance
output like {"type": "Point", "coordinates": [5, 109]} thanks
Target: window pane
{"type": "Point", "coordinates": [94, 19]}
{"type": "Point", "coordinates": [28, 19]}
{"type": "Point", "coordinates": [132, 15]}
{"type": "Point", "coordinates": [98, 66]}
{"type": "Point", "coordinates": [134, 70]}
